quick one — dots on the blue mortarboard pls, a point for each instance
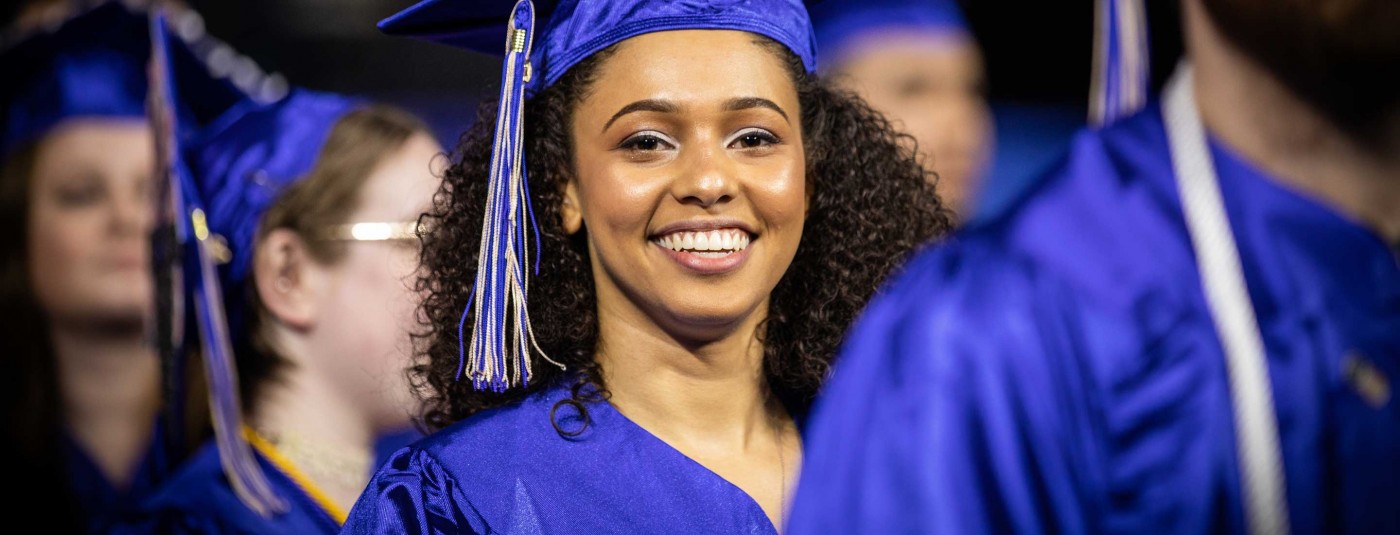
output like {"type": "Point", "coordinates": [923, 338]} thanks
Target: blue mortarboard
{"type": "Point", "coordinates": [231, 157]}
{"type": "Point", "coordinates": [841, 23]}
{"type": "Point", "coordinates": [574, 29]}
{"type": "Point", "coordinates": [94, 65]}
{"type": "Point", "coordinates": [496, 356]}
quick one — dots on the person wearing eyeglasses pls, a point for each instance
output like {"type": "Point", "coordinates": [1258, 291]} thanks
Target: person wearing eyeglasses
{"type": "Point", "coordinates": [303, 213]}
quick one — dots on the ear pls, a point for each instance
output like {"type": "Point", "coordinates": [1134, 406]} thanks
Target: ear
{"type": "Point", "coordinates": [287, 279]}
{"type": "Point", "coordinates": [571, 211]}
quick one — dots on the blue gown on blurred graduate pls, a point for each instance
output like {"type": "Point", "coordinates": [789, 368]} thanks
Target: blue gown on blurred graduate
{"type": "Point", "coordinates": [92, 66]}
{"type": "Point", "coordinates": [614, 476]}
{"type": "Point", "coordinates": [1055, 367]}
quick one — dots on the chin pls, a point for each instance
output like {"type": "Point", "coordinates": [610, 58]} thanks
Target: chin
{"type": "Point", "coordinates": [707, 319]}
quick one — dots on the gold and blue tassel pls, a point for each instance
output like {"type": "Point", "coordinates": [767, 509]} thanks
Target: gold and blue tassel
{"type": "Point", "coordinates": [1122, 63]}
{"type": "Point", "coordinates": [199, 275]}
{"type": "Point", "coordinates": [496, 356]}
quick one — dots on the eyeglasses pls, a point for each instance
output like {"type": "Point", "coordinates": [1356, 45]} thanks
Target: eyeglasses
{"type": "Point", "coordinates": [398, 231]}
{"type": "Point", "coordinates": [374, 231]}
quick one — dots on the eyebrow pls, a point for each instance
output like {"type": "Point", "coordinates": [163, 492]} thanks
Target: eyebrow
{"type": "Point", "coordinates": [736, 104]}
{"type": "Point", "coordinates": [660, 106]}
{"type": "Point", "coordinates": [663, 106]}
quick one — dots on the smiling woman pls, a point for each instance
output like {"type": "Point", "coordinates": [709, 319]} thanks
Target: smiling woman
{"type": "Point", "coordinates": [711, 216]}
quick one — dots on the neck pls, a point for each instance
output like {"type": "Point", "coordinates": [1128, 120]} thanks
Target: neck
{"type": "Point", "coordinates": [707, 394]}
{"type": "Point", "coordinates": [1248, 109]}
{"type": "Point", "coordinates": [311, 423]}
{"type": "Point", "coordinates": [110, 385]}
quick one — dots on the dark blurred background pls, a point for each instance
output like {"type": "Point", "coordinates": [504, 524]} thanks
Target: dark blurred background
{"type": "Point", "coordinates": [1038, 57]}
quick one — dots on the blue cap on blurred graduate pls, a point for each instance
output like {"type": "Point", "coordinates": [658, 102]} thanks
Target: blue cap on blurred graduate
{"type": "Point", "coordinates": [232, 156]}
{"type": "Point", "coordinates": [94, 65]}
{"type": "Point", "coordinates": [843, 27]}
{"type": "Point", "coordinates": [540, 41]}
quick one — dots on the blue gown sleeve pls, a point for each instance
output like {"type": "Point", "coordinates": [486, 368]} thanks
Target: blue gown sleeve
{"type": "Point", "coordinates": [954, 408]}
{"type": "Point", "coordinates": [411, 493]}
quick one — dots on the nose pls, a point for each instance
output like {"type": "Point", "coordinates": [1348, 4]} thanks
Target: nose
{"type": "Point", "coordinates": [133, 212]}
{"type": "Point", "coordinates": [709, 178]}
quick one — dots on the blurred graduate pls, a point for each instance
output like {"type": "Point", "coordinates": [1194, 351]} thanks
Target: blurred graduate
{"type": "Point", "coordinates": [671, 187]}
{"type": "Point", "coordinates": [82, 376]}
{"type": "Point", "coordinates": [296, 214]}
{"type": "Point", "coordinates": [918, 63]}
{"type": "Point", "coordinates": [1191, 325]}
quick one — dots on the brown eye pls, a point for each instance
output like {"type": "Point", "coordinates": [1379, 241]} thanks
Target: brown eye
{"type": "Point", "coordinates": [753, 139]}
{"type": "Point", "coordinates": [80, 194]}
{"type": "Point", "coordinates": [645, 142]}
{"type": "Point", "coordinates": [913, 87]}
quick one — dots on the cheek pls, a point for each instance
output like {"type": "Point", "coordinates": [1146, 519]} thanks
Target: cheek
{"type": "Point", "coordinates": [59, 250]}
{"type": "Point", "coordinates": [375, 292]}
{"type": "Point", "coordinates": [618, 202]}
{"type": "Point", "coordinates": [781, 199]}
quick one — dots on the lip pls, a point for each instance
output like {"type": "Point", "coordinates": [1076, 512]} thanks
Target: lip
{"type": "Point", "coordinates": [126, 262]}
{"type": "Point", "coordinates": [705, 265]}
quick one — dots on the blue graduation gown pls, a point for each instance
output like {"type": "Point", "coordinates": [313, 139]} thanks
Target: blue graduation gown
{"type": "Point", "coordinates": [507, 470]}
{"type": "Point", "coordinates": [1054, 367]}
{"type": "Point", "coordinates": [199, 499]}
{"type": "Point", "coordinates": [99, 500]}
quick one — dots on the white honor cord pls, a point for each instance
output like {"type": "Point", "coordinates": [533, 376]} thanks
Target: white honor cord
{"type": "Point", "coordinates": [1218, 261]}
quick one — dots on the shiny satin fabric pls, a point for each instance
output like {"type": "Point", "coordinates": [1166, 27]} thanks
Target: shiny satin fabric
{"type": "Point", "coordinates": [1054, 367]}
{"type": "Point", "coordinates": [508, 470]}
{"type": "Point", "coordinates": [571, 30]}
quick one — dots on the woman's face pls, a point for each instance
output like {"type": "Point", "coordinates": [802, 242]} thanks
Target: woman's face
{"type": "Point", "coordinates": [370, 306]}
{"type": "Point", "coordinates": [89, 222]}
{"type": "Point", "coordinates": [690, 179]}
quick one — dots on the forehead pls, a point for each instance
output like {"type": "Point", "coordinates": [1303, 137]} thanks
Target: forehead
{"type": "Point", "coordinates": [91, 132]}
{"type": "Point", "coordinates": [97, 142]}
{"type": "Point", "coordinates": [897, 55]}
{"type": "Point", "coordinates": [692, 66]}
{"type": "Point", "coordinates": [403, 181]}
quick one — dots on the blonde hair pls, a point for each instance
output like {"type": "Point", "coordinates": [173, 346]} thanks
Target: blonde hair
{"type": "Point", "coordinates": [326, 196]}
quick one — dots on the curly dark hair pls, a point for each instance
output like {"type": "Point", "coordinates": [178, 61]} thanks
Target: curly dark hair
{"type": "Point", "coordinates": [871, 205]}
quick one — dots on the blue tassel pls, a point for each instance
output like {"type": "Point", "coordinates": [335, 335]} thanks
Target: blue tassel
{"type": "Point", "coordinates": [244, 474]}
{"type": "Point", "coordinates": [497, 354]}
{"type": "Point", "coordinates": [1122, 63]}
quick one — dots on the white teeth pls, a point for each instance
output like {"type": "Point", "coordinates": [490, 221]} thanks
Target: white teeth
{"type": "Point", "coordinates": [712, 243]}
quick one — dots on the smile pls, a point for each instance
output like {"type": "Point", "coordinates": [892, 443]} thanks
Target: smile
{"type": "Point", "coordinates": [709, 252]}
{"type": "Point", "coordinates": [714, 243]}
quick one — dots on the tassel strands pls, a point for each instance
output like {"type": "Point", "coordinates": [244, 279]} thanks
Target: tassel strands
{"type": "Point", "coordinates": [248, 480]}
{"type": "Point", "coordinates": [496, 356]}
{"type": "Point", "coordinates": [1122, 62]}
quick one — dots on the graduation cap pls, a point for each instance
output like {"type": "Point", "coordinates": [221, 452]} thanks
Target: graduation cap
{"type": "Point", "coordinates": [228, 156]}
{"type": "Point", "coordinates": [540, 41]}
{"type": "Point", "coordinates": [842, 24]}
{"type": "Point", "coordinates": [93, 65]}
